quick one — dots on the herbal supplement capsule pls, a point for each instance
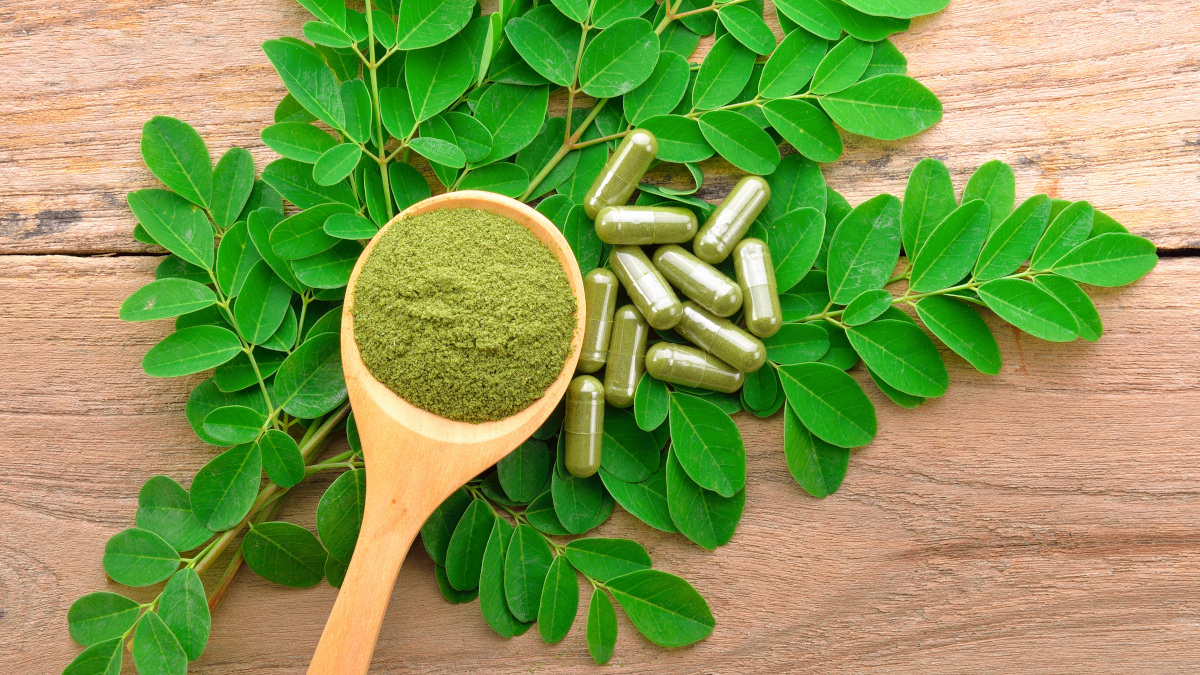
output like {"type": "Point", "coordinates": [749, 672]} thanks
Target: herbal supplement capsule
{"type": "Point", "coordinates": [600, 299]}
{"type": "Point", "coordinates": [721, 338]}
{"type": "Point", "coordinates": [692, 367]}
{"type": "Point", "coordinates": [646, 287]}
{"type": "Point", "coordinates": [621, 174]}
{"type": "Point", "coordinates": [732, 217]}
{"type": "Point", "coordinates": [583, 424]}
{"type": "Point", "coordinates": [760, 295]}
{"type": "Point", "coordinates": [646, 225]}
{"type": "Point", "coordinates": [698, 280]}
{"type": "Point", "coordinates": [626, 356]}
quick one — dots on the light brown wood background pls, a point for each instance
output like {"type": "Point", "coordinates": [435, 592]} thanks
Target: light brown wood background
{"type": "Point", "coordinates": [1046, 520]}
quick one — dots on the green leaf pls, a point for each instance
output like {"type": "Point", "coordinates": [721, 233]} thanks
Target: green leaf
{"type": "Point", "coordinates": [795, 241]}
{"type": "Point", "coordinates": [817, 466]}
{"type": "Point", "coordinates": [679, 39]}
{"type": "Point", "coordinates": [580, 233]}
{"type": "Point", "coordinates": [424, 23]}
{"type": "Point", "coordinates": [526, 563]}
{"type": "Point", "coordinates": [952, 248]}
{"type": "Point", "coordinates": [524, 471]}
{"type": "Point", "coordinates": [748, 27]}
{"type": "Point", "coordinates": [866, 307]}
{"type": "Point", "coordinates": [224, 489]}
{"type": "Point", "coordinates": [236, 256]}
{"type": "Point", "coordinates": [961, 328]}
{"type": "Point", "coordinates": [310, 383]}
{"type": "Point", "coordinates": [492, 601]}
{"type": "Point", "coordinates": [576, 10]}
{"type": "Point", "coordinates": [791, 65]}
{"type": "Point", "coordinates": [232, 182]}
{"type": "Point", "coordinates": [337, 163]}
{"type": "Point", "coordinates": [190, 350]}
{"type": "Point", "coordinates": [290, 110]}
{"type": "Point", "coordinates": [284, 553]}
{"type": "Point", "coordinates": [281, 459]}
{"type": "Point", "coordinates": [308, 79]}
{"type": "Point", "coordinates": [864, 248]}
{"type": "Point", "coordinates": [796, 183]}
{"type": "Point", "coordinates": [548, 41]}
{"type": "Point", "coordinates": [1076, 301]}
{"type": "Point", "coordinates": [577, 501]}
{"type": "Point", "coordinates": [1010, 243]}
{"type": "Point", "coordinates": [174, 267]}
{"type": "Point", "coordinates": [303, 234]}
{"type": "Point", "coordinates": [327, 35]}
{"type": "Point", "coordinates": [438, 529]}
{"type": "Point", "coordinates": [464, 555]}
{"type": "Point", "coordinates": [294, 180]}
{"type": "Point", "coordinates": [887, 107]}
{"type": "Point", "coordinates": [328, 269]}
{"type": "Point", "coordinates": [995, 184]}
{"type": "Point", "coordinates": [335, 574]}
{"type": "Point", "coordinates": [661, 92]}
{"type": "Point", "coordinates": [395, 109]}
{"type": "Point", "coordinates": [448, 592]}
{"type": "Point", "coordinates": [650, 403]}
{"type": "Point", "coordinates": [100, 617]}
{"type": "Point", "coordinates": [928, 199]}
{"type": "Point", "coordinates": [259, 227]}
{"type": "Point", "coordinates": [707, 445]}
{"type": "Point", "coordinates": [207, 397]}
{"type": "Point", "coordinates": [559, 601]}
{"type": "Point", "coordinates": [183, 607]}
{"type": "Point", "coordinates": [166, 298]}
{"type": "Point", "coordinates": [357, 102]}
{"type": "Point", "coordinates": [1110, 259]}
{"type": "Point", "coordinates": [540, 514]}
{"type": "Point", "coordinates": [601, 631]}
{"type": "Point", "coordinates": [329, 11]}
{"type": "Point", "coordinates": [137, 557]}
{"type": "Point", "coordinates": [723, 74]}
{"type": "Point", "coordinates": [234, 424]}
{"type": "Point", "coordinates": [885, 58]}
{"type": "Point", "coordinates": [1029, 308]}
{"type": "Point", "coordinates": [175, 224]}
{"type": "Point", "coordinates": [340, 513]}
{"type": "Point", "coordinates": [797, 343]}
{"type": "Point", "coordinates": [504, 178]}
{"type": "Point", "coordinates": [103, 658]}
{"type": "Point", "coordinates": [663, 607]}
{"type": "Point", "coordinates": [703, 516]}
{"type": "Point", "coordinates": [349, 226]}
{"type": "Point", "coordinates": [606, 559]}
{"type": "Point", "coordinates": [408, 185]}
{"type": "Point", "coordinates": [740, 140]}
{"type": "Point", "coordinates": [284, 338]}
{"type": "Point", "coordinates": [840, 354]}
{"type": "Point", "coordinates": [620, 58]}
{"type": "Point", "coordinates": [513, 115]}
{"type": "Point", "coordinates": [260, 308]}
{"type": "Point", "coordinates": [237, 373]}
{"type": "Point", "coordinates": [176, 155]}
{"type": "Point", "coordinates": [473, 138]}
{"type": "Point", "coordinates": [1066, 231]}
{"type": "Point", "coordinates": [629, 453]}
{"type": "Point", "coordinates": [165, 509]}
{"type": "Point", "coordinates": [646, 501]}
{"type": "Point", "coordinates": [842, 66]}
{"type": "Point", "coordinates": [899, 8]}
{"type": "Point", "coordinates": [812, 15]}
{"type": "Point", "coordinates": [156, 650]}
{"type": "Point", "coordinates": [902, 355]}
{"type": "Point", "coordinates": [679, 138]}
{"type": "Point", "coordinates": [830, 403]}
{"type": "Point", "coordinates": [761, 388]}
{"type": "Point", "coordinates": [804, 126]}
{"type": "Point", "coordinates": [436, 76]}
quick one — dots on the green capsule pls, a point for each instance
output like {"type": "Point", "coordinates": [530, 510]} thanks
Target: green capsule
{"type": "Point", "coordinates": [599, 301]}
{"type": "Point", "coordinates": [698, 280]}
{"type": "Point", "coordinates": [692, 367]}
{"type": "Point", "coordinates": [621, 174]}
{"type": "Point", "coordinates": [646, 286]}
{"type": "Point", "coordinates": [583, 426]}
{"type": "Point", "coordinates": [730, 220]}
{"type": "Point", "coordinates": [756, 276]}
{"type": "Point", "coordinates": [646, 225]}
{"type": "Point", "coordinates": [626, 356]}
{"type": "Point", "coordinates": [721, 338]}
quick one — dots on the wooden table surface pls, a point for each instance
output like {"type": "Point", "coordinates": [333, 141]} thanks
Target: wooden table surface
{"type": "Point", "coordinates": [1046, 520]}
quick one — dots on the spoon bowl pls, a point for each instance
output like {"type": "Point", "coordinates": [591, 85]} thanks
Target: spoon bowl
{"type": "Point", "coordinates": [414, 458]}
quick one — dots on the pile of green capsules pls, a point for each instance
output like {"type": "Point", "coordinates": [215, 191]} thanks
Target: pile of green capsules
{"type": "Point", "coordinates": [616, 339]}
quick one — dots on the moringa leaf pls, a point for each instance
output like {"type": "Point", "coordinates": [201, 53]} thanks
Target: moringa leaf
{"type": "Point", "coordinates": [1076, 301]}
{"type": "Point", "coordinates": [739, 140]}
{"type": "Point", "coordinates": [439, 527]}
{"type": "Point", "coordinates": [100, 617]}
{"type": "Point", "coordinates": [281, 458]}
{"type": "Point", "coordinates": [504, 178]}
{"type": "Point", "coordinates": [646, 501]}
{"type": "Point", "coordinates": [761, 388]}
{"type": "Point", "coordinates": [817, 466]}
{"type": "Point", "coordinates": [233, 181]}
{"type": "Point", "coordinates": [885, 58]}
{"type": "Point", "coordinates": [842, 66]}
{"type": "Point", "coordinates": [492, 600]}
{"type": "Point", "coordinates": [234, 424]}
{"type": "Point", "coordinates": [166, 298]}
{"type": "Point", "coordinates": [155, 649]}
{"type": "Point", "coordinates": [1110, 259]}
{"type": "Point", "coordinates": [995, 184]}
{"type": "Point", "coordinates": [183, 607]}
{"type": "Point", "coordinates": [578, 502]}
{"type": "Point", "coordinates": [899, 8]}
{"type": "Point", "coordinates": [703, 516]}
{"type": "Point", "coordinates": [294, 180]}
{"type": "Point", "coordinates": [619, 59]}
{"type": "Point", "coordinates": [308, 79]}
{"type": "Point", "coordinates": [679, 138]}
{"type": "Point", "coordinates": [1029, 308]}
{"type": "Point", "coordinates": [952, 248]}
{"type": "Point", "coordinates": [359, 115]}
{"type": "Point", "coordinates": [791, 65]}
{"type": "Point", "coordinates": [513, 115]}
{"type": "Point", "coordinates": [601, 630]}
{"type": "Point", "coordinates": [628, 453]}
{"type": "Point", "coordinates": [887, 107]}
{"type": "Point", "coordinates": [437, 76]}
{"type": "Point", "coordinates": [303, 234]}
{"type": "Point", "coordinates": [224, 489]}
{"type": "Point", "coordinates": [864, 248]}
{"type": "Point", "coordinates": [284, 553]}
{"type": "Point", "coordinates": [808, 129]}
{"type": "Point", "coordinates": [748, 27]}
{"type": "Point", "coordinates": [175, 224]}
{"type": "Point", "coordinates": [928, 199]}
{"type": "Point", "coordinates": [605, 559]}
{"type": "Point", "coordinates": [1066, 231]}
{"type": "Point", "coordinates": [464, 555]}
{"type": "Point", "coordinates": [830, 403]}
{"type": "Point", "coordinates": [661, 92]}
{"type": "Point", "coordinates": [137, 557]}
{"type": "Point", "coordinates": [559, 601]}
{"type": "Point", "coordinates": [866, 307]}
{"type": "Point", "coordinates": [795, 241]}
{"type": "Point", "coordinates": [337, 163]}
{"type": "Point", "coordinates": [236, 256]}
{"type": "Point", "coordinates": [425, 23]}
{"type": "Point", "coordinates": [723, 74]}
{"type": "Point", "coordinates": [165, 509]}
{"type": "Point", "coordinates": [1010, 243]}
{"type": "Point", "coordinates": [191, 350]}
{"type": "Point", "coordinates": [262, 304]}
{"type": "Point", "coordinates": [961, 328]}
{"type": "Point", "coordinates": [651, 401]}
{"type": "Point", "coordinates": [902, 355]}
{"type": "Point", "coordinates": [797, 343]}
{"type": "Point", "coordinates": [707, 444]}
{"type": "Point", "coordinates": [548, 41]}
{"type": "Point", "coordinates": [340, 513]}
{"type": "Point", "coordinates": [663, 607]}
{"type": "Point", "coordinates": [524, 471]}
{"type": "Point", "coordinates": [813, 16]}
{"type": "Point", "coordinates": [526, 564]}
{"type": "Point", "coordinates": [310, 382]}
{"type": "Point", "coordinates": [176, 155]}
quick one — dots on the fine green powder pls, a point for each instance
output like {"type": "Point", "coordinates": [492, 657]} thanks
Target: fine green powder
{"type": "Point", "coordinates": [463, 313]}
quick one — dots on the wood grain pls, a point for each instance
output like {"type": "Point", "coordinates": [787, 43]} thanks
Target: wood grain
{"type": "Point", "coordinates": [1088, 100]}
{"type": "Point", "coordinates": [1047, 519]}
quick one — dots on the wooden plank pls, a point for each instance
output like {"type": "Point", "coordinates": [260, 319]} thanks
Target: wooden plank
{"type": "Point", "coordinates": [1086, 100]}
{"type": "Point", "coordinates": [1045, 519]}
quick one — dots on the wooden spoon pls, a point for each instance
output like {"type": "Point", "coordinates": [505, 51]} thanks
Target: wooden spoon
{"type": "Point", "coordinates": [416, 459]}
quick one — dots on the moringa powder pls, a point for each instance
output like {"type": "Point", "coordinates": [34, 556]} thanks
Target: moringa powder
{"type": "Point", "coordinates": [463, 313]}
